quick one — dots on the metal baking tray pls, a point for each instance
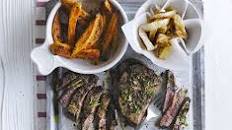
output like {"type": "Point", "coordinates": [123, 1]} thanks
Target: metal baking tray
{"type": "Point", "coordinates": [194, 77]}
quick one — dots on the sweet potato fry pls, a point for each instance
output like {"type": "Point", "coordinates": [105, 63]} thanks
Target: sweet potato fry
{"type": "Point", "coordinates": [68, 3]}
{"type": "Point", "coordinates": [56, 28]}
{"type": "Point", "coordinates": [92, 54]}
{"type": "Point", "coordinates": [106, 7]}
{"type": "Point", "coordinates": [61, 49]}
{"type": "Point", "coordinates": [76, 14]}
{"type": "Point", "coordinates": [89, 38]}
{"type": "Point", "coordinates": [110, 33]}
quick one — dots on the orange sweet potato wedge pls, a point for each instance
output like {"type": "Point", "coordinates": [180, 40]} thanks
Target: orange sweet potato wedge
{"type": "Point", "coordinates": [68, 3]}
{"type": "Point", "coordinates": [92, 54]}
{"type": "Point", "coordinates": [107, 7]}
{"type": "Point", "coordinates": [61, 49]}
{"type": "Point", "coordinates": [90, 37]}
{"type": "Point", "coordinates": [56, 28]}
{"type": "Point", "coordinates": [76, 14]}
{"type": "Point", "coordinates": [110, 33]}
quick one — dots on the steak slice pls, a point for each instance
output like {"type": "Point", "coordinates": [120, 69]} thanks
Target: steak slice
{"type": "Point", "coordinates": [74, 107]}
{"type": "Point", "coordinates": [170, 90]}
{"type": "Point", "coordinates": [181, 119]}
{"type": "Point", "coordinates": [102, 111]}
{"type": "Point", "coordinates": [64, 99]}
{"type": "Point", "coordinates": [91, 102]}
{"type": "Point", "coordinates": [172, 111]}
{"type": "Point", "coordinates": [69, 77]}
{"type": "Point", "coordinates": [76, 103]}
{"type": "Point", "coordinates": [137, 86]}
{"type": "Point", "coordinates": [111, 121]}
{"type": "Point", "coordinates": [81, 80]}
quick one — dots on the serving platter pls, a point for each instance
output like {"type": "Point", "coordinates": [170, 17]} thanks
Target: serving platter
{"type": "Point", "coordinates": [192, 78]}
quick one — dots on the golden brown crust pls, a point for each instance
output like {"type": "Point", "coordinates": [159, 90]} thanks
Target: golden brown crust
{"type": "Point", "coordinates": [68, 3]}
{"type": "Point", "coordinates": [89, 38]}
{"type": "Point", "coordinates": [61, 49]}
{"type": "Point", "coordinates": [76, 14]}
{"type": "Point", "coordinates": [107, 7]}
{"type": "Point", "coordinates": [110, 33]}
{"type": "Point", "coordinates": [92, 54]}
{"type": "Point", "coordinates": [56, 28]}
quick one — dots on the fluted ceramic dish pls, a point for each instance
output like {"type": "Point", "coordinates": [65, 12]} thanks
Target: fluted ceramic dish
{"type": "Point", "coordinates": [181, 49]}
{"type": "Point", "coordinates": [47, 62]}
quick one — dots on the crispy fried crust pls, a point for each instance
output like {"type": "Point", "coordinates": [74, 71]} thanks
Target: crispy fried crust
{"type": "Point", "coordinates": [61, 49]}
{"type": "Point", "coordinates": [56, 28]}
{"type": "Point", "coordinates": [110, 33]}
{"type": "Point", "coordinates": [89, 38]}
{"type": "Point", "coordinates": [92, 54]}
{"type": "Point", "coordinates": [76, 14]}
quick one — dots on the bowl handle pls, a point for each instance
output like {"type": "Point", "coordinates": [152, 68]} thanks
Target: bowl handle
{"type": "Point", "coordinates": [43, 58]}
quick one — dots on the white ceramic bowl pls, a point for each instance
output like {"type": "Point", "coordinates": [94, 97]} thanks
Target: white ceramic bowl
{"type": "Point", "coordinates": [179, 58]}
{"type": "Point", "coordinates": [47, 62]}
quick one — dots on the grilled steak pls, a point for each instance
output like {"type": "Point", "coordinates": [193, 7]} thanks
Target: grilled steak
{"type": "Point", "coordinates": [91, 102]}
{"type": "Point", "coordinates": [112, 121]}
{"type": "Point", "coordinates": [180, 121]}
{"type": "Point", "coordinates": [69, 78]}
{"type": "Point", "coordinates": [74, 87]}
{"type": "Point", "coordinates": [102, 111]}
{"type": "Point", "coordinates": [70, 88]}
{"type": "Point", "coordinates": [170, 90]}
{"type": "Point", "coordinates": [137, 85]}
{"type": "Point", "coordinates": [172, 110]}
{"type": "Point", "coordinates": [66, 96]}
{"type": "Point", "coordinates": [76, 103]}
{"type": "Point", "coordinates": [175, 104]}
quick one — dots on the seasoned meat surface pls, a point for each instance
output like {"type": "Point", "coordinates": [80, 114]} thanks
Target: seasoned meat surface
{"type": "Point", "coordinates": [170, 90]}
{"type": "Point", "coordinates": [74, 88]}
{"type": "Point", "coordinates": [137, 85]}
{"type": "Point", "coordinates": [75, 105]}
{"type": "Point", "coordinates": [181, 119]}
{"type": "Point", "coordinates": [70, 79]}
{"type": "Point", "coordinates": [102, 111]}
{"type": "Point", "coordinates": [172, 111]}
{"type": "Point", "coordinates": [91, 102]}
